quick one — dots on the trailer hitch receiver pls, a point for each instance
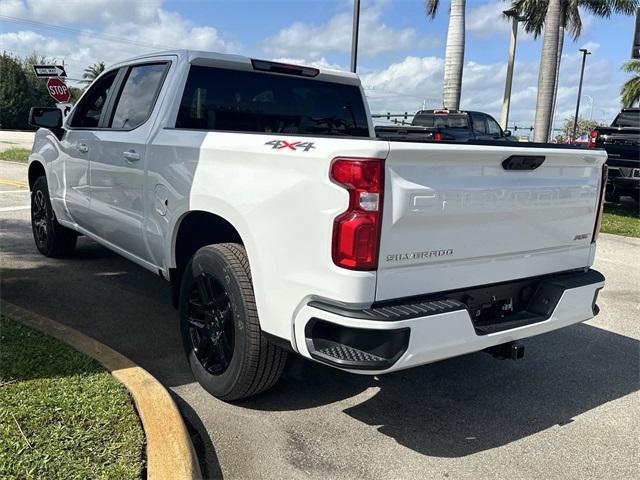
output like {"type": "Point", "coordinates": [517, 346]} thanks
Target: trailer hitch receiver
{"type": "Point", "coordinates": [510, 350]}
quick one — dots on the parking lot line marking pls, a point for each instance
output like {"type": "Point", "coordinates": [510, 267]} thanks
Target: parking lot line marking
{"type": "Point", "coordinates": [13, 183]}
{"type": "Point", "coordinates": [14, 191]}
{"type": "Point", "coordinates": [15, 209]}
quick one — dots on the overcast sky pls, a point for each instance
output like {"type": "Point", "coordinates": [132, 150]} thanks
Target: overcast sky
{"type": "Point", "coordinates": [401, 51]}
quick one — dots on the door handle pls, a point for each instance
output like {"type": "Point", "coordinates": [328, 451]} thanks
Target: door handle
{"type": "Point", "coordinates": [82, 148]}
{"type": "Point", "coordinates": [131, 155]}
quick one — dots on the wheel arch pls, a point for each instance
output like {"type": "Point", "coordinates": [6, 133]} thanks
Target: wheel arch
{"type": "Point", "coordinates": [195, 229]}
{"type": "Point", "coordinates": [36, 169]}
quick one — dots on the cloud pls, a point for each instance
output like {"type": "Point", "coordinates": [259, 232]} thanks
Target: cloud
{"type": "Point", "coordinates": [117, 41]}
{"type": "Point", "coordinates": [376, 37]}
{"type": "Point", "coordinates": [76, 11]}
{"type": "Point", "coordinates": [487, 20]}
{"type": "Point", "coordinates": [409, 84]}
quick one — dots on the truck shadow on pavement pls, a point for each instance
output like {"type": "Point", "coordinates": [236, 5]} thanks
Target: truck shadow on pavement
{"type": "Point", "coordinates": [473, 403]}
{"type": "Point", "coordinates": [451, 408]}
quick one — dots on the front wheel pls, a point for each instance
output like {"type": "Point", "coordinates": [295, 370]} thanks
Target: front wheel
{"type": "Point", "coordinates": [52, 239]}
{"type": "Point", "coordinates": [226, 349]}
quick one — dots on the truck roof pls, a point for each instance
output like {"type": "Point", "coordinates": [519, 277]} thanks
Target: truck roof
{"type": "Point", "coordinates": [200, 57]}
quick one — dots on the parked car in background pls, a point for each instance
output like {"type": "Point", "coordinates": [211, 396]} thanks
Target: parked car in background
{"type": "Point", "coordinates": [449, 125]}
{"type": "Point", "coordinates": [622, 142]}
{"type": "Point", "coordinates": [260, 190]}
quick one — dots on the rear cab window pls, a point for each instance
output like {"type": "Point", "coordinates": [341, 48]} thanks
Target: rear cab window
{"type": "Point", "coordinates": [246, 101]}
{"type": "Point", "coordinates": [441, 120]}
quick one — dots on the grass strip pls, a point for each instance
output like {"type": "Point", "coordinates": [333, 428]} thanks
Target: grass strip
{"type": "Point", "coordinates": [61, 414]}
{"type": "Point", "coordinates": [16, 154]}
{"type": "Point", "coordinates": [621, 220]}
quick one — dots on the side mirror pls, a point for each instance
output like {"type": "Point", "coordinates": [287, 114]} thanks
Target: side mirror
{"type": "Point", "coordinates": [46, 117]}
{"type": "Point", "coordinates": [507, 133]}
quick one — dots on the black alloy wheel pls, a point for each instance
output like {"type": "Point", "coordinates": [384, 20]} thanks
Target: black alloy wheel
{"type": "Point", "coordinates": [210, 322]}
{"type": "Point", "coordinates": [227, 352]}
{"type": "Point", "coordinates": [51, 238]}
{"type": "Point", "coordinates": [39, 218]}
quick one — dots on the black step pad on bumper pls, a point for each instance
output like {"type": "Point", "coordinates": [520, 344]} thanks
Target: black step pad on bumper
{"type": "Point", "coordinates": [355, 348]}
{"type": "Point", "coordinates": [336, 351]}
{"type": "Point", "coordinates": [394, 312]}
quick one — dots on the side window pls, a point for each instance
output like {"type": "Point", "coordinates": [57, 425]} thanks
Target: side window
{"type": "Point", "coordinates": [493, 127]}
{"type": "Point", "coordinates": [479, 124]}
{"type": "Point", "coordinates": [87, 113]}
{"type": "Point", "coordinates": [138, 95]}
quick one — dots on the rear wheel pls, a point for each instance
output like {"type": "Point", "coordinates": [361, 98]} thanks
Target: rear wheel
{"type": "Point", "coordinates": [52, 239]}
{"type": "Point", "coordinates": [612, 194]}
{"type": "Point", "coordinates": [226, 349]}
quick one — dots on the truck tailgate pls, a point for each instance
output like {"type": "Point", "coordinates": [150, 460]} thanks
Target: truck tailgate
{"type": "Point", "coordinates": [454, 217]}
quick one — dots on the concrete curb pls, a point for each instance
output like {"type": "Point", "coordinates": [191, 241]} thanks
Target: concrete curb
{"type": "Point", "coordinates": [170, 453]}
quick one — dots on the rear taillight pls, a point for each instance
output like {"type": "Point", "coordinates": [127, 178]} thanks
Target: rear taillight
{"type": "Point", "coordinates": [603, 186]}
{"type": "Point", "coordinates": [593, 137]}
{"type": "Point", "coordinates": [356, 232]}
{"type": "Point", "coordinates": [437, 136]}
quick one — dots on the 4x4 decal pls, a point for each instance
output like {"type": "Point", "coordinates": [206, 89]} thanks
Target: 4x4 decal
{"type": "Point", "coordinates": [282, 144]}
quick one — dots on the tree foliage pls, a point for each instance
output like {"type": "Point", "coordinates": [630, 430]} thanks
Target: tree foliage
{"type": "Point", "coordinates": [92, 72]}
{"type": "Point", "coordinates": [20, 90]}
{"type": "Point", "coordinates": [585, 125]}
{"type": "Point", "coordinates": [630, 91]}
{"type": "Point", "coordinates": [532, 13]}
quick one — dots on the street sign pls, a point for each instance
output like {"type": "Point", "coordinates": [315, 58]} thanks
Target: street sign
{"type": "Point", "coordinates": [58, 90]}
{"type": "Point", "coordinates": [49, 71]}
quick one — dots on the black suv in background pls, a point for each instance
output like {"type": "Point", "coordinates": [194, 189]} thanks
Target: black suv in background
{"type": "Point", "coordinates": [622, 142]}
{"type": "Point", "coordinates": [449, 125]}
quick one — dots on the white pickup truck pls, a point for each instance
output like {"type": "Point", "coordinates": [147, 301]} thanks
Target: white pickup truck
{"type": "Point", "coordinates": [261, 191]}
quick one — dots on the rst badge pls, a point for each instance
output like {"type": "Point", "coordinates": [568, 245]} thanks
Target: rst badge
{"type": "Point", "coordinates": [295, 146]}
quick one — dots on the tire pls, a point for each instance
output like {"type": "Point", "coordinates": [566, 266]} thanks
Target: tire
{"type": "Point", "coordinates": [227, 352]}
{"type": "Point", "coordinates": [612, 194]}
{"type": "Point", "coordinates": [51, 238]}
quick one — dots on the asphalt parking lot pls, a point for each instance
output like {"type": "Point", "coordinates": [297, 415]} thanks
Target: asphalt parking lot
{"type": "Point", "coordinates": [569, 410]}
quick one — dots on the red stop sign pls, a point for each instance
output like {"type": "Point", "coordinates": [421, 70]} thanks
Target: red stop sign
{"type": "Point", "coordinates": [58, 90]}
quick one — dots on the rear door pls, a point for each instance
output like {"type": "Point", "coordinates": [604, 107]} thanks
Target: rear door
{"type": "Point", "coordinates": [118, 165]}
{"type": "Point", "coordinates": [454, 217]}
{"type": "Point", "coordinates": [479, 126]}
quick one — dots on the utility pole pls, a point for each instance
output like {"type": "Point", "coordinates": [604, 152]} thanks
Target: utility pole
{"type": "Point", "coordinates": [585, 52]}
{"type": "Point", "coordinates": [506, 101]}
{"type": "Point", "coordinates": [354, 35]}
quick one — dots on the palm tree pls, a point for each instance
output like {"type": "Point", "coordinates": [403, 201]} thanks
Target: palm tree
{"type": "Point", "coordinates": [506, 99]}
{"type": "Point", "coordinates": [547, 72]}
{"type": "Point", "coordinates": [534, 15]}
{"type": "Point", "coordinates": [92, 72]}
{"type": "Point", "coordinates": [454, 52]}
{"type": "Point", "coordinates": [630, 91]}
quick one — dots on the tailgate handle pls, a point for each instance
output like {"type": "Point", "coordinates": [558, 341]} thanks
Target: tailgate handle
{"type": "Point", "coordinates": [523, 162]}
